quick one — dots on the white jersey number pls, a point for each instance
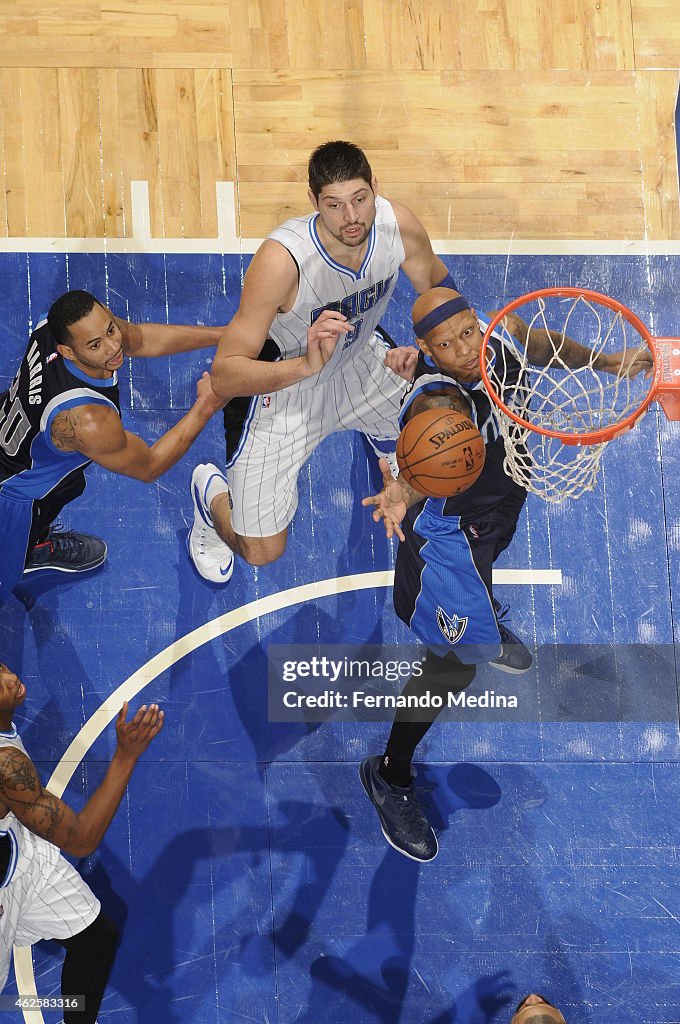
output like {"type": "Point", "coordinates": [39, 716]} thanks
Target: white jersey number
{"type": "Point", "coordinates": [15, 424]}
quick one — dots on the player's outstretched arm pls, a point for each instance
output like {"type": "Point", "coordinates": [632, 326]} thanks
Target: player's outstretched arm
{"type": "Point", "coordinates": [269, 286]}
{"type": "Point", "coordinates": [165, 339]}
{"type": "Point", "coordinates": [48, 816]}
{"type": "Point", "coordinates": [97, 432]}
{"type": "Point", "coordinates": [543, 345]}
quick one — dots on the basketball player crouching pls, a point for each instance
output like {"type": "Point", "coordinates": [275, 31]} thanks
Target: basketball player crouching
{"type": "Point", "coordinates": [63, 411]}
{"type": "Point", "coordinates": [306, 354]}
{"type": "Point", "coordinates": [443, 572]}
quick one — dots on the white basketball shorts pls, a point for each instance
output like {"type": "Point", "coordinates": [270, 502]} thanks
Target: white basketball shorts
{"type": "Point", "coordinates": [281, 431]}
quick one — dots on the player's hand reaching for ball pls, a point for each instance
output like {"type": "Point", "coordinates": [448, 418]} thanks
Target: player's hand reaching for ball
{"type": "Point", "coordinates": [322, 337]}
{"type": "Point", "coordinates": [134, 737]}
{"type": "Point", "coordinates": [390, 505]}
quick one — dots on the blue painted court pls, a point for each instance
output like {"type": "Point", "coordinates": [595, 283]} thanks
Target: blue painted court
{"type": "Point", "coordinates": [246, 864]}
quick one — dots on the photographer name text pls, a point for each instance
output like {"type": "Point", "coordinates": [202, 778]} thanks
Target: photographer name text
{"type": "Point", "coordinates": [360, 699]}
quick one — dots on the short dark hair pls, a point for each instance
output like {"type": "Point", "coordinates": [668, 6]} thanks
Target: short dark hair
{"type": "Point", "coordinates": [337, 161]}
{"type": "Point", "coordinates": [68, 309]}
{"type": "Point", "coordinates": [542, 1018]}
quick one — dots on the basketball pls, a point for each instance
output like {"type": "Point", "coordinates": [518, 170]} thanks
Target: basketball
{"type": "Point", "coordinates": [440, 452]}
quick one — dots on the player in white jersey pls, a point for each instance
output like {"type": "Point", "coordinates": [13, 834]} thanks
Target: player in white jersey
{"type": "Point", "coordinates": [304, 356]}
{"type": "Point", "coordinates": [41, 895]}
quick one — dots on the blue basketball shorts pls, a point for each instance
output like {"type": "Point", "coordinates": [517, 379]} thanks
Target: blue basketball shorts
{"type": "Point", "coordinates": [16, 518]}
{"type": "Point", "coordinates": [442, 579]}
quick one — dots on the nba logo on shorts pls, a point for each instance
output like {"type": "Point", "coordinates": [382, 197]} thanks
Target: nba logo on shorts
{"type": "Point", "coordinates": [2, 911]}
{"type": "Point", "coordinates": [451, 627]}
{"type": "Point", "coordinates": [266, 401]}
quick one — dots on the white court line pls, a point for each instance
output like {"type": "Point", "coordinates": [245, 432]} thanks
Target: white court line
{"type": "Point", "coordinates": [228, 241]}
{"type": "Point", "coordinates": [226, 213]}
{"type": "Point", "coordinates": [140, 210]}
{"type": "Point", "coordinates": [177, 650]}
{"type": "Point", "coordinates": [161, 662]}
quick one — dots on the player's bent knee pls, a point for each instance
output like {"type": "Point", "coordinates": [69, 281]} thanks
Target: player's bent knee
{"type": "Point", "coordinates": [262, 550]}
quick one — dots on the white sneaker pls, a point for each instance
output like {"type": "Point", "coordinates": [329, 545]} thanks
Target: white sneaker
{"type": "Point", "coordinates": [380, 454]}
{"type": "Point", "coordinates": [394, 465]}
{"type": "Point", "coordinates": [213, 559]}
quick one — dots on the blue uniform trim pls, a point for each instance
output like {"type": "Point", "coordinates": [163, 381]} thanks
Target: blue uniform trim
{"type": "Point", "coordinates": [355, 275]}
{"type": "Point", "coordinates": [49, 466]}
{"type": "Point", "coordinates": [38, 481]}
{"type": "Point", "coordinates": [92, 398]}
{"type": "Point", "coordinates": [94, 382]}
{"type": "Point", "coordinates": [424, 566]}
{"type": "Point", "coordinates": [14, 857]}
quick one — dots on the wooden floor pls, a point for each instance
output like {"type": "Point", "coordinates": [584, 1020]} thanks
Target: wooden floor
{"type": "Point", "coordinates": [491, 118]}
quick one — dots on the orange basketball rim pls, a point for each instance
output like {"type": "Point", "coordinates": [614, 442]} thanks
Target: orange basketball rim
{"type": "Point", "coordinates": [559, 404]}
{"type": "Point", "coordinates": [664, 386]}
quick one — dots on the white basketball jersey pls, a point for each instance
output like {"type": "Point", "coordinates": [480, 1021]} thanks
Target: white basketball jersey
{"type": "Point", "coordinates": [362, 295]}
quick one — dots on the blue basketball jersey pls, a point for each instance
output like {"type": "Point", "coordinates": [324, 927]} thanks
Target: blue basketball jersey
{"type": "Point", "coordinates": [493, 484]}
{"type": "Point", "coordinates": [442, 585]}
{"type": "Point", "coordinates": [45, 385]}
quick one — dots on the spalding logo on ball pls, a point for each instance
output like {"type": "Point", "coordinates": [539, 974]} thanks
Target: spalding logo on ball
{"type": "Point", "coordinates": [440, 452]}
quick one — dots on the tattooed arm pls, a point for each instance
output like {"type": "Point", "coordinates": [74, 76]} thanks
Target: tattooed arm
{"type": "Point", "coordinates": [78, 834]}
{"type": "Point", "coordinates": [543, 345]}
{"type": "Point", "coordinates": [447, 398]}
{"type": "Point", "coordinates": [96, 431]}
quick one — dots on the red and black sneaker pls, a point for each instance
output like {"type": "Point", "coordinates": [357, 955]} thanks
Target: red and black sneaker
{"type": "Point", "coordinates": [66, 552]}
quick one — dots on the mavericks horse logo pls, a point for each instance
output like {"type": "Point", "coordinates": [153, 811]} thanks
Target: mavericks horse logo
{"type": "Point", "coordinates": [452, 627]}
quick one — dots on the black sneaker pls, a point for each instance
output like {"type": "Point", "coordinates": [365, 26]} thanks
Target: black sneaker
{"type": "Point", "coordinates": [66, 552]}
{"type": "Point", "coordinates": [514, 656]}
{"type": "Point", "coordinates": [402, 819]}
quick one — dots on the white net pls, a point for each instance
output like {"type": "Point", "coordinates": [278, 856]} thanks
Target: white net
{"type": "Point", "coordinates": [550, 394]}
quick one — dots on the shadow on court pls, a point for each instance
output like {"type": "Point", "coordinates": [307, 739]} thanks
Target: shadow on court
{"type": "Point", "coordinates": [152, 972]}
{"type": "Point", "coordinates": [391, 976]}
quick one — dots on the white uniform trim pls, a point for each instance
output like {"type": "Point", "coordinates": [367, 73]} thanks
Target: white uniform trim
{"type": "Point", "coordinates": [362, 295]}
{"type": "Point", "coordinates": [86, 396]}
